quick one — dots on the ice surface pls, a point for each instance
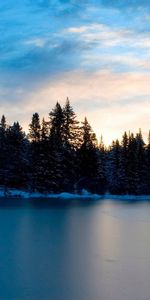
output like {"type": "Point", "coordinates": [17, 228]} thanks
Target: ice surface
{"type": "Point", "coordinates": [96, 251]}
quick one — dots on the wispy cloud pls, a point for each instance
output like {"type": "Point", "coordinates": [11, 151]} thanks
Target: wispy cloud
{"type": "Point", "coordinates": [112, 102]}
{"type": "Point", "coordinates": [37, 42]}
{"type": "Point", "coordinates": [95, 52]}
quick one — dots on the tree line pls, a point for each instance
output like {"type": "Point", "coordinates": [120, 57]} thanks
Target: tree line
{"type": "Point", "coordinates": [62, 154]}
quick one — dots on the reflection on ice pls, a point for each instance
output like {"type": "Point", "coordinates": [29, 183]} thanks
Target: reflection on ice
{"type": "Point", "coordinates": [62, 250]}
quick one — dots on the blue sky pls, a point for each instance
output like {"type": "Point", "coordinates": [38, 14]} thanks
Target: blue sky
{"type": "Point", "coordinates": [95, 52]}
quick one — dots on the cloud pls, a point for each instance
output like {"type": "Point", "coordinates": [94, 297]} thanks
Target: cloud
{"type": "Point", "coordinates": [46, 44]}
{"type": "Point", "coordinates": [37, 42]}
{"type": "Point", "coordinates": [114, 48]}
{"type": "Point", "coordinates": [126, 3]}
{"type": "Point", "coordinates": [76, 29]}
{"type": "Point", "coordinates": [95, 52]}
{"type": "Point", "coordinates": [112, 102]}
{"type": "Point", "coordinates": [106, 36]}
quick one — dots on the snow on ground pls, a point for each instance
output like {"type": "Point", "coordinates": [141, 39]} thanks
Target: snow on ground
{"type": "Point", "coordinates": [126, 197]}
{"type": "Point", "coordinates": [14, 193]}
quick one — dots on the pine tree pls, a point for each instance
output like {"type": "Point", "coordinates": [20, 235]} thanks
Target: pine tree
{"type": "Point", "coordinates": [34, 128]}
{"type": "Point", "coordinates": [71, 141]}
{"type": "Point", "coordinates": [44, 130]}
{"type": "Point", "coordinates": [44, 174]}
{"type": "Point", "coordinates": [114, 170]}
{"type": "Point", "coordinates": [141, 167]}
{"type": "Point", "coordinates": [102, 167]}
{"type": "Point", "coordinates": [17, 162]}
{"type": "Point", "coordinates": [56, 149]}
{"type": "Point", "coordinates": [3, 123]}
{"type": "Point", "coordinates": [88, 156]}
{"type": "Point", "coordinates": [147, 165]}
{"type": "Point", "coordinates": [124, 181]}
{"type": "Point", "coordinates": [3, 151]}
{"type": "Point", "coordinates": [71, 129]}
{"type": "Point", "coordinates": [35, 161]}
{"type": "Point", "coordinates": [60, 155]}
{"type": "Point", "coordinates": [56, 126]}
{"type": "Point", "coordinates": [132, 164]}
{"type": "Point", "coordinates": [88, 136]}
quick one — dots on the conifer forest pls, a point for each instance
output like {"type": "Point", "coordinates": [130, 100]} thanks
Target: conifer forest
{"type": "Point", "coordinates": [62, 154]}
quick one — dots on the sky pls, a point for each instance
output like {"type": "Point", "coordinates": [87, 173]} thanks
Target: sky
{"type": "Point", "coordinates": [96, 52]}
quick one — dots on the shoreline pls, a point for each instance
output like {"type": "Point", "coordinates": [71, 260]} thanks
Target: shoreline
{"type": "Point", "coordinates": [21, 194]}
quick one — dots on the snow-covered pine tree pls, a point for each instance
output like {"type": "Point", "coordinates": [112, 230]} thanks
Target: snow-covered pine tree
{"type": "Point", "coordinates": [35, 150]}
{"type": "Point", "coordinates": [56, 126]}
{"type": "Point", "coordinates": [147, 165]}
{"type": "Point", "coordinates": [71, 129]}
{"type": "Point", "coordinates": [124, 182]}
{"type": "Point", "coordinates": [44, 168]}
{"type": "Point", "coordinates": [141, 164]}
{"type": "Point", "coordinates": [56, 150]}
{"type": "Point", "coordinates": [132, 165]}
{"type": "Point", "coordinates": [114, 170]}
{"type": "Point", "coordinates": [44, 130]}
{"type": "Point", "coordinates": [17, 161]}
{"type": "Point", "coordinates": [101, 151]}
{"type": "Point", "coordinates": [3, 151]}
{"type": "Point", "coordinates": [71, 141]}
{"type": "Point", "coordinates": [35, 128]}
{"type": "Point", "coordinates": [88, 156]}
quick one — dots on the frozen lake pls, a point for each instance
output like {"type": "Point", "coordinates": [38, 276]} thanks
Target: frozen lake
{"type": "Point", "coordinates": [77, 250]}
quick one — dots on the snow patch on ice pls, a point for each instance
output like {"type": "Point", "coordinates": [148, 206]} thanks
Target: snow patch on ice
{"type": "Point", "coordinates": [108, 196]}
{"type": "Point", "coordinates": [83, 195]}
{"type": "Point", "coordinates": [14, 193]}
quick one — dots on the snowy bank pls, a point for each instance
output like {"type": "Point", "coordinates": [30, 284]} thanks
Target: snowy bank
{"type": "Point", "coordinates": [108, 196]}
{"type": "Point", "coordinates": [14, 193]}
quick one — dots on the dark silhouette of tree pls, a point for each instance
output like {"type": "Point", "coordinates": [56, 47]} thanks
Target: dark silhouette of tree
{"type": "Point", "coordinates": [35, 128]}
{"type": "Point", "coordinates": [88, 157]}
{"type": "Point", "coordinates": [56, 126]}
{"type": "Point", "coordinates": [140, 162]}
{"type": "Point", "coordinates": [71, 129]}
{"type": "Point", "coordinates": [124, 164]}
{"type": "Point", "coordinates": [61, 155]}
{"type": "Point", "coordinates": [3, 151]}
{"type": "Point", "coordinates": [17, 161]}
{"type": "Point", "coordinates": [102, 180]}
{"type": "Point", "coordinates": [114, 170]}
{"type": "Point", "coordinates": [35, 153]}
{"type": "Point", "coordinates": [71, 143]}
{"type": "Point", "coordinates": [147, 165]}
{"type": "Point", "coordinates": [44, 130]}
{"type": "Point", "coordinates": [56, 149]}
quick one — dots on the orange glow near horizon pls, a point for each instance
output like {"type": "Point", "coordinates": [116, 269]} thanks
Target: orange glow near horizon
{"type": "Point", "coordinates": [111, 102]}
